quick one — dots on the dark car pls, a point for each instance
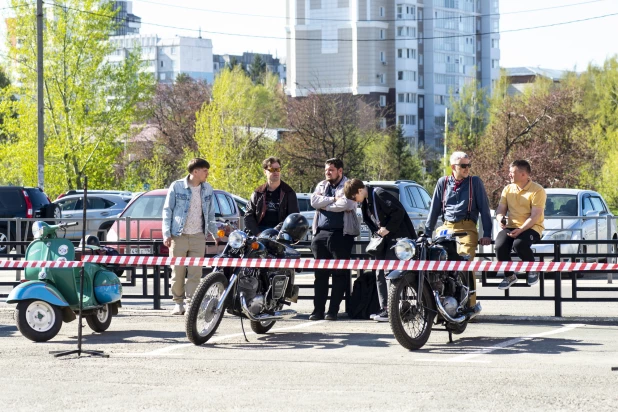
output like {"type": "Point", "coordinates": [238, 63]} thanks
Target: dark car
{"type": "Point", "coordinates": [146, 211]}
{"type": "Point", "coordinates": [23, 202]}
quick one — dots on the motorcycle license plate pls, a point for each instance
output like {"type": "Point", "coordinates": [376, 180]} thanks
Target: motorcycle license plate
{"type": "Point", "coordinates": [143, 250]}
{"type": "Point", "coordinates": [364, 228]}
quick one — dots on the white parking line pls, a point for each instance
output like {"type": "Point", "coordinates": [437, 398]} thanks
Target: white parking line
{"type": "Point", "coordinates": [167, 349]}
{"type": "Point", "coordinates": [469, 356]}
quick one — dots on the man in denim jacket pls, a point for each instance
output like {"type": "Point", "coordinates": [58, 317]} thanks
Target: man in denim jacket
{"type": "Point", "coordinates": [335, 226]}
{"type": "Point", "coordinates": [188, 214]}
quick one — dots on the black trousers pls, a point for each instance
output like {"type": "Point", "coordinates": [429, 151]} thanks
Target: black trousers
{"type": "Point", "coordinates": [329, 244]}
{"type": "Point", "coordinates": [521, 244]}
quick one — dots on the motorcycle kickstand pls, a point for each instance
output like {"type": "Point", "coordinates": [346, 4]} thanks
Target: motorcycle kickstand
{"type": "Point", "coordinates": [450, 337]}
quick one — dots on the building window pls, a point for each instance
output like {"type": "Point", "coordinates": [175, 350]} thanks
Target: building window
{"type": "Point", "coordinates": [400, 120]}
{"type": "Point", "coordinates": [421, 124]}
{"type": "Point", "coordinates": [381, 11]}
{"type": "Point", "coordinates": [383, 122]}
{"type": "Point", "coordinates": [406, 75]}
{"type": "Point", "coordinates": [496, 25]}
{"type": "Point", "coordinates": [382, 59]}
{"type": "Point", "coordinates": [420, 59]}
{"type": "Point", "coordinates": [495, 43]}
{"type": "Point", "coordinates": [161, 63]}
{"type": "Point", "coordinates": [162, 76]}
{"type": "Point", "coordinates": [382, 34]}
{"type": "Point", "coordinates": [381, 77]}
{"type": "Point", "coordinates": [382, 101]}
{"type": "Point", "coordinates": [411, 119]}
{"type": "Point", "coordinates": [438, 99]}
{"type": "Point", "coordinates": [421, 102]}
{"type": "Point", "coordinates": [421, 81]}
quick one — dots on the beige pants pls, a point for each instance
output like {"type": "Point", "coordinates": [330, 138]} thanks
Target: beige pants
{"type": "Point", "coordinates": [186, 246]}
{"type": "Point", "coordinates": [467, 245]}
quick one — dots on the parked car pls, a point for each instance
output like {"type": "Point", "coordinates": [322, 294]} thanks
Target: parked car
{"type": "Point", "coordinates": [241, 203]}
{"type": "Point", "coordinates": [24, 202]}
{"type": "Point", "coordinates": [573, 214]}
{"type": "Point", "coordinates": [96, 191]}
{"type": "Point", "coordinates": [412, 196]}
{"type": "Point", "coordinates": [145, 212]}
{"type": "Point", "coordinates": [100, 207]}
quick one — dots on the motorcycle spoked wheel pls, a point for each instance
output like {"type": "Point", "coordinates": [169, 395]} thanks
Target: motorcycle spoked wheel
{"type": "Point", "coordinates": [262, 327]}
{"type": "Point", "coordinates": [37, 320]}
{"type": "Point", "coordinates": [101, 319]}
{"type": "Point", "coordinates": [410, 319]}
{"type": "Point", "coordinates": [202, 319]}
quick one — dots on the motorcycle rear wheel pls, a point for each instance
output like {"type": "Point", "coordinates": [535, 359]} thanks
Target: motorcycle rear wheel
{"type": "Point", "coordinates": [410, 319]}
{"type": "Point", "coordinates": [262, 327]}
{"type": "Point", "coordinates": [202, 319]}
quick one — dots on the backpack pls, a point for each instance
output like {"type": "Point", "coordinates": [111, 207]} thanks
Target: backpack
{"type": "Point", "coordinates": [364, 300]}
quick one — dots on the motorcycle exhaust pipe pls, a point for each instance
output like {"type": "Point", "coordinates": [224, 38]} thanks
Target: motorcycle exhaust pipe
{"type": "Point", "coordinates": [442, 311]}
{"type": "Point", "coordinates": [282, 314]}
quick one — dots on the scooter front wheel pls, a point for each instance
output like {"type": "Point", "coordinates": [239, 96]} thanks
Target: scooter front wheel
{"type": "Point", "coordinates": [203, 319]}
{"type": "Point", "coordinates": [38, 320]}
{"type": "Point", "coordinates": [100, 321]}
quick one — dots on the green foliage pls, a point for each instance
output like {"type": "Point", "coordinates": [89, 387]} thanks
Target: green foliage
{"type": "Point", "coordinates": [230, 130]}
{"type": "Point", "coordinates": [389, 157]}
{"type": "Point", "coordinates": [83, 122]}
{"type": "Point", "coordinates": [467, 116]}
{"type": "Point", "coordinates": [257, 69]}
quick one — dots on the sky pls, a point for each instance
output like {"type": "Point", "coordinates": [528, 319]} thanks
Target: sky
{"type": "Point", "coordinates": [563, 47]}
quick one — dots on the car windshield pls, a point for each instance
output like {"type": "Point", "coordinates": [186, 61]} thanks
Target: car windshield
{"type": "Point", "coordinates": [305, 205]}
{"type": "Point", "coordinates": [146, 207]}
{"type": "Point", "coordinates": [561, 205]}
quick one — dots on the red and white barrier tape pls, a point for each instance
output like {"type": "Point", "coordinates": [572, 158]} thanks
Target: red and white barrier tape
{"type": "Point", "coordinates": [22, 264]}
{"type": "Point", "coordinates": [353, 264]}
{"type": "Point", "coordinates": [481, 266]}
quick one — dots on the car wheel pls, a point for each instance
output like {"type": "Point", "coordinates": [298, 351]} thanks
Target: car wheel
{"type": "Point", "coordinates": [5, 235]}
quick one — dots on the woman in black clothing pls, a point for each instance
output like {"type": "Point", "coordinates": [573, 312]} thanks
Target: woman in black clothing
{"type": "Point", "coordinates": [385, 216]}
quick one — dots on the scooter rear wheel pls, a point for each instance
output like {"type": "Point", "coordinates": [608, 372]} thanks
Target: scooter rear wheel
{"type": "Point", "coordinates": [100, 321]}
{"type": "Point", "coordinates": [38, 320]}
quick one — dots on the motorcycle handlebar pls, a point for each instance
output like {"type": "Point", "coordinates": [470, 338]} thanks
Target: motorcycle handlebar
{"type": "Point", "coordinates": [66, 224]}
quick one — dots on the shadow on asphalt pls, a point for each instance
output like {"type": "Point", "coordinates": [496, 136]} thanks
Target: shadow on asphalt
{"type": "Point", "coordinates": [309, 340]}
{"type": "Point", "coordinates": [550, 346]}
{"type": "Point", "coordinates": [128, 336]}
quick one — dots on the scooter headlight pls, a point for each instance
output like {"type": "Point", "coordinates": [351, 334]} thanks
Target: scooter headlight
{"type": "Point", "coordinates": [37, 229]}
{"type": "Point", "coordinates": [237, 239]}
{"type": "Point", "coordinates": [405, 249]}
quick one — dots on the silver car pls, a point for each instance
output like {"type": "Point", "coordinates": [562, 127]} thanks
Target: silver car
{"type": "Point", "coordinates": [574, 214]}
{"type": "Point", "coordinates": [99, 209]}
{"type": "Point", "coordinates": [304, 204]}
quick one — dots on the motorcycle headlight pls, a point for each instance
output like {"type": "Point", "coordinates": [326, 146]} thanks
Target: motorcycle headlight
{"type": "Point", "coordinates": [561, 235]}
{"type": "Point", "coordinates": [237, 239]}
{"type": "Point", "coordinates": [405, 249]}
{"type": "Point", "coordinates": [37, 230]}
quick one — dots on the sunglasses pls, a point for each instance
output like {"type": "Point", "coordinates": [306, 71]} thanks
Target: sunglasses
{"type": "Point", "coordinates": [274, 169]}
{"type": "Point", "coordinates": [465, 166]}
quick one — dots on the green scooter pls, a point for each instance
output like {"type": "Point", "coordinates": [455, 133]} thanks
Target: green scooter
{"type": "Point", "coordinates": [49, 296]}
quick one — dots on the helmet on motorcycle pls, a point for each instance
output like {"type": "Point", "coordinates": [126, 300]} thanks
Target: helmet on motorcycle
{"type": "Point", "coordinates": [90, 241]}
{"type": "Point", "coordinates": [268, 234]}
{"type": "Point", "coordinates": [295, 226]}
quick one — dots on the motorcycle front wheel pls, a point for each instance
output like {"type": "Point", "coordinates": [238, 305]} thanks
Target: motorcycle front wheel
{"type": "Point", "coordinates": [203, 319]}
{"type": "Point", "coordinates": [410, 318]}
{"type": "Point", "coordinates": [37, 320]}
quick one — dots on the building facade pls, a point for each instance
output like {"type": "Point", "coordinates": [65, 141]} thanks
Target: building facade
{"type": "Point", "coordinates": [273, 64]}
{"type": "Point", "coordinates": [128, 23]}
{"type": "Point", "coordinates": [167, 58]}
{"type": "Point", "coordinates": [408, 56]}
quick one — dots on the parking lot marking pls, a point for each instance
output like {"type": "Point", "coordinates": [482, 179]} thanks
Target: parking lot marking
{"type": "Point", "coordinates": [467, 357]}
{"type": "Point", "coordinates": [167, 349]}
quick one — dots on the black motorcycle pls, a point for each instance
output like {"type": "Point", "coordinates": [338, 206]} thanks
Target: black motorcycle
{"type": "Point", "coordinates": [418, 299]}
{"type": "Point", "coordinates": [251, 293]}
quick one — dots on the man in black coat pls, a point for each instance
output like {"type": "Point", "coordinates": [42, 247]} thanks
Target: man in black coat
{"type": "Point", "coordinates": [385, 216]}
{"type": "Point", "coordinates": [271, 202]}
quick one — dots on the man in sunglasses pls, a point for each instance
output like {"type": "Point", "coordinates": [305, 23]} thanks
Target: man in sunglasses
{"type": "Point", "coordinates": [271, 202]}
{"type": "Point", "coordinates": [461, 199]}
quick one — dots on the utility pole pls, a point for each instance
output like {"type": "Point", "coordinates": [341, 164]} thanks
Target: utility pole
{"type": "Point", "coordinates": [445, 134]}
{"type": "Point", "coordinates": [40, 96]}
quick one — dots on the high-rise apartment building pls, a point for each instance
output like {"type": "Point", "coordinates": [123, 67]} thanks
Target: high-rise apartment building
{"type": "Point", "coordinates": [128, 23]}
{"type": "Point", "coordinates": [405, 55]}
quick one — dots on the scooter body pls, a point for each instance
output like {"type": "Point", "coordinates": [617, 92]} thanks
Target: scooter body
{"type": "Point", "coordinates": [49, 296]}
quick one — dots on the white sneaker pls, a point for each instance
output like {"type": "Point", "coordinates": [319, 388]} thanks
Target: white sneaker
{"type": "Point", "coordinates": [179, 309]}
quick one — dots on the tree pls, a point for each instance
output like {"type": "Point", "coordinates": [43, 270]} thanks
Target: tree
{"type": "Point", "coordinates": [90, 103]}
{"type": "Point", "coordinates": [173, 112]}
{"type": "Point", "coordinates": [467, 116]}
{"type": "Point", "coordinates": [389, 157]}
{"type": "Point", "coordinates": [257, 69]}
{"type": "Point", "coordinates": [540, 126]}
{"type": "Point", "coordinates": [231, 129]}
{"type": "Point", "coordinates": [324, 126]}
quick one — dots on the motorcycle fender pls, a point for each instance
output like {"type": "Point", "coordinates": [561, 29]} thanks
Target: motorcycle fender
{"type": "Point", "coordinates": [395, 274]}
{"type": "Point", "coordinates": [37, 290]}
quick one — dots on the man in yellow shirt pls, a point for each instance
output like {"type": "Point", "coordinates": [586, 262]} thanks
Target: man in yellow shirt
{"type": "Point", "coordinates": [524, 201]}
